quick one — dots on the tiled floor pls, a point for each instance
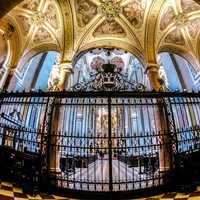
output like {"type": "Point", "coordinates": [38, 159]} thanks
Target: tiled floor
{"type": "Point", "coordinates": [9, 191]}
{"type": "Point", "coordinates": [176, 196]}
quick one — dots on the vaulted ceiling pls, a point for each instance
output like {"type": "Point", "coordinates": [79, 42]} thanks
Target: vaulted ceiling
{"type": "Point", "coordinates": [143, 27]}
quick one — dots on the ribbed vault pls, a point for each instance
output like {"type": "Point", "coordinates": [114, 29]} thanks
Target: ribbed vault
{"type": "Point", "coordinates": [143, 27]}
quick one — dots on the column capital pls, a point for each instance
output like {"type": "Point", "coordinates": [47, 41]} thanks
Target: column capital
{"type": "Point", "coordinates": [66, 66]}
{"type": "Point", "coordinates": [152, 71]}
{"type": "Point", "coordinates": [65, 72]}
{"type": "Point", "coordinates": [153, 67]}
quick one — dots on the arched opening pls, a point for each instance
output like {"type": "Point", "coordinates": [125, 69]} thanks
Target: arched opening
{"type": "Point", "coordinates": [34, 74]}
{"type": "Point", "coordinates": [91, 62]}
{"type": "Point", "coordinates": [4, 57]}
{"type": "Point", "coordinates": [113, 143]}
{"type": "Point", "coordinates": [177, 72]}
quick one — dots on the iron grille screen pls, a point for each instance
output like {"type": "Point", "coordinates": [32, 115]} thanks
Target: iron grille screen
{"type": "Point", "coordinates": [99, 141]}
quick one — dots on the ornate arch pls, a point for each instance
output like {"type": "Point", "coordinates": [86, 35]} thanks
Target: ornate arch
{"type": "Point", "coordinates": [35, 51]}
{"type": "Point", "coordinates": [38, 24]}
{"type": "Point", "coordinates": [68, 31]}
{"type": "Point", "coordinates": [111, 43]}
{"type": "Point", "coordinates": [179, 26]}
{"type": "Point", "coordinates": [13, 40]}
{"type": "Point", "coordinates": [198, 49]}
{"type": "Point", "coordinates": [150, 32]}
{"type": "Point", "coordinates": [181, 51]}
{"type": "Point", "coordinates": [130, 18]}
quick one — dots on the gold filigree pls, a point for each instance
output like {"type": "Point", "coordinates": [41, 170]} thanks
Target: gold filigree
{"type": "Point", "coordinates": [38, 18]}
{"type": "Point", "coordinates": [110, 8]}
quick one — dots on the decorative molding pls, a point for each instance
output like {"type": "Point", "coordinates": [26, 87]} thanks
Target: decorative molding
{"type": "Point", "coordinates": [38, 18]}
{"type": "Point", "coordinates": [181, 20]}
{"type": "Point", "coordinates": [72, 25]}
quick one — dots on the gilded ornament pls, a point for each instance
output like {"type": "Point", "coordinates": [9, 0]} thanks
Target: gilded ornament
{"type": "Point", "coordinates": [38, 18]}
{"type": "Point", "coordinates": [110, 8]}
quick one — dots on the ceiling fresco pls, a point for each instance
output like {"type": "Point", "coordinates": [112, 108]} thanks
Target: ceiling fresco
{"type": "Point", "coordinates": [179, 26]}
{"type": "Point", "coordinates": [138, 26]}
{"type": "Point", "coordinates": [38, 23]}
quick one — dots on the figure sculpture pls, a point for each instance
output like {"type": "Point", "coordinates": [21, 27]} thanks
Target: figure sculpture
{"type": "Point", "coordinates": [54, 76]}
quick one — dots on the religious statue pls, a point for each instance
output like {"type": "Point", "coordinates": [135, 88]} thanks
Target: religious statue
{"type": "Point", "coordinates": [162, 75]}
{"type": "Point", "coordinates": [54, 76]}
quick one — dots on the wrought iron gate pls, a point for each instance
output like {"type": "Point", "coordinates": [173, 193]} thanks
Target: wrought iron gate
{"type": "Point", "coordinates": [108, 144]}
{"type": "Point", "coordinates": [84, 141]}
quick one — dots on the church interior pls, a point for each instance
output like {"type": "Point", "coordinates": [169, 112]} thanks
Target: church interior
{"type": "Point", "coordinates": [99, 99]}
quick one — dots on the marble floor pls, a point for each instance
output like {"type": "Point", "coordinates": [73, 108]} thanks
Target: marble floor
{"type": "Point", "coordinates": [96, 177]}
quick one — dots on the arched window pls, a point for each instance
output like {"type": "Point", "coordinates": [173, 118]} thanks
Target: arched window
{"type": "Point", "coordinates": [35, 73]}
{"type": "Point", "coordinates": [177, 72]}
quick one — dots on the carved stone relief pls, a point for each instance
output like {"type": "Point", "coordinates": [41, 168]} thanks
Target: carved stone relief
{"type": "Point", "coordinates": [109, 28]}
{"type": "Point", "coordinates": [134, 12]}
{"type": "Point", "coordinates": [189, 6]}
{"type": "Point", "coordinates": [167, 18]}
{"type": "Point", "coordinates": [85, 11]}
{"type": "Point", "coordinates": [175, 37]}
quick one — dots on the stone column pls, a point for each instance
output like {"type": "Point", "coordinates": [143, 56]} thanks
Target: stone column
{"type": "Point", "coordinates": [65, 72]}
{"type": "Point", "coordinates": [9, 80]}
{"type": "Point", "coordinates": [153, 74]}
{"type": "Point", "coordinates": [58, 115]}
{"type": "Point", "coordinates": [164, 151]}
